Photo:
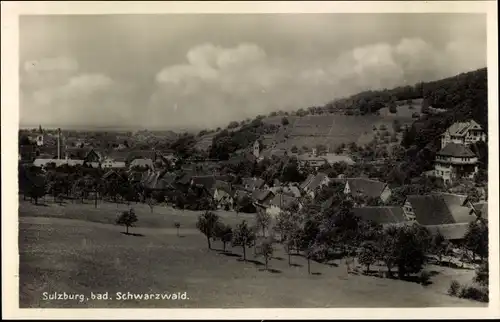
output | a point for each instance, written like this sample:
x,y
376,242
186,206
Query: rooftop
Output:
x,y
456,150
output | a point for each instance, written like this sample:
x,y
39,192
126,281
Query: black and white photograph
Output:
x,y
253,160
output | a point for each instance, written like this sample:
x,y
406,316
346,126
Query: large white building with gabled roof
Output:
x,y
463,133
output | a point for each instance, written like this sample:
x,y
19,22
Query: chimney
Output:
x,y
59,143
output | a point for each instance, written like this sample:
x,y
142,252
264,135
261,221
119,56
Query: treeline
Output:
x,y
465,93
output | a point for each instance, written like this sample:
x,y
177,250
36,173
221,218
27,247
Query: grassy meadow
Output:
x,y
76,248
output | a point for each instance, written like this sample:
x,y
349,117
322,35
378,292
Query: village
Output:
x,y
158,171
305,183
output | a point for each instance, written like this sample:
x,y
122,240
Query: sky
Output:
x,y
204,70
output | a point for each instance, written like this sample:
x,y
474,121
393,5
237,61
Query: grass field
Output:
x,y
75,248
334,129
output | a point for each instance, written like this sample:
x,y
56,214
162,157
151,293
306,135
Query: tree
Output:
x,y
414,243
244,237
284,121
388,247
392,107
368,254
24,140
224,233
207,223
267,250
263,221
151,203
309,252
476,239
482,274
396,126
439,245
287,227
127,219
36,187
233,125
425,106
177,225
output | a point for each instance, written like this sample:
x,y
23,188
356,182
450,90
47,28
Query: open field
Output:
x,y
335,129
76,249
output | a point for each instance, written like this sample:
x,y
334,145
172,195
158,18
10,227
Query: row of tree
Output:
x,y
323,234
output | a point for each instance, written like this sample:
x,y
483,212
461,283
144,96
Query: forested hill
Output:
x,y
465,93
464,97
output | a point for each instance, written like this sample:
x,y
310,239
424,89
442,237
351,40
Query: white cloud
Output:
x,y
223,84
55,91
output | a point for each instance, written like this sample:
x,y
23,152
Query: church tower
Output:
x,y
256,149
39,137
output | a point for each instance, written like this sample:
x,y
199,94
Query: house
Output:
x,y
313,183
208,181
109,163
279,203
251,184
118,156
438,209
291,190
463,133
112,175
262,197
138,154
332,158
88,155
455,161
223,194
368,188
157,180
311,160
273,152
454,233
43,163
385,216
142,163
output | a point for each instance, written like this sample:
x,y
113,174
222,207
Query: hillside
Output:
x,y
431,106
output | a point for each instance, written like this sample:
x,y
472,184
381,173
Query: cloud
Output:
x,y
220,84
55,91
217,84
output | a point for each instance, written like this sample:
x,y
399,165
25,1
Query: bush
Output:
x,y
425,278
454,288
415,115
233,125
474,293
284,121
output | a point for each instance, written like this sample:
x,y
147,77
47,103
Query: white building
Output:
x,y
463,133
455,161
